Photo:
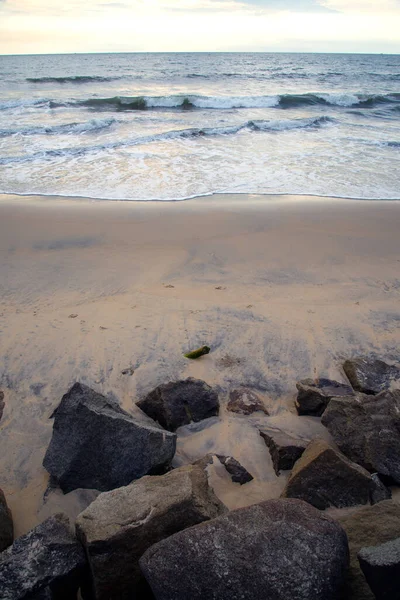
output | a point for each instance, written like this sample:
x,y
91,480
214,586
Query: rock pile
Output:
x,y
158,532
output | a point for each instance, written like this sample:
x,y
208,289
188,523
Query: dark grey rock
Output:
x,y
97,445
2,403
285,450
279,549
179,403
368,526
367,430
244,401
120,525
47,562
381,567
314,395
324,477
379,491
237,472
6,524
370,376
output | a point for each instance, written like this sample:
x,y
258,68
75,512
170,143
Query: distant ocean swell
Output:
x,y
73,79
188,102
84,79
256,126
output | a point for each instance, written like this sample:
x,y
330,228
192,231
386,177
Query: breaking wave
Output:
x,y
65,129
272,126
188,102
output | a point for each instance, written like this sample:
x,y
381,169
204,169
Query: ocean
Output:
x,y
174,126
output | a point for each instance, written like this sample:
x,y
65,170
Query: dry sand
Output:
x,y
281,289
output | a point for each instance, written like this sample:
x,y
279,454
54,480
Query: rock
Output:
x,y
245,402
238,473
324,477
381,567
367,430
314,395
285,450
371,376
47,559
6,524
97,445
368,526
279,549
180,402
120,525
2,404
379,491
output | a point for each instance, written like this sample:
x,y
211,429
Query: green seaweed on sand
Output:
x,y
197,353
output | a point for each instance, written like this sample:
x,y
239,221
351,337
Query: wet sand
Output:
x,y
280,288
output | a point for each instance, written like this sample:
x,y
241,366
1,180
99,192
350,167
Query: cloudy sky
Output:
x,y
42,26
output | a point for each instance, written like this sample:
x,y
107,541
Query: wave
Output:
x,y
255,126
24,103
193,101
187,102
65,129
72,79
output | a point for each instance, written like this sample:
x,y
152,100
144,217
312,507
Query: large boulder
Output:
x,y
275,550
367,430
47,562
285,449
119,526
97,445
371,376
314,395
368,526
6,524
244,401
179,403
324,477
381,567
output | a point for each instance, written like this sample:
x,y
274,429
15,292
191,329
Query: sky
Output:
x,y
42,26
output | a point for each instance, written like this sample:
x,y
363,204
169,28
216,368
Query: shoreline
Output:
x,y
5,196
280,291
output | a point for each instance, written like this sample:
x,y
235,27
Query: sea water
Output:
x,y
143,126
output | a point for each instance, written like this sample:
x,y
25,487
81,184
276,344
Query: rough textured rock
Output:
x,y
279,549
285,450
179,403
314,395
371,376
2,403
368,526
367,430
6,524
98,445
379,491
381,568
324,477
237,472
120,525
46,562
245,402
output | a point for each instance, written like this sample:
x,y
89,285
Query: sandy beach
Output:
x,y
280,288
